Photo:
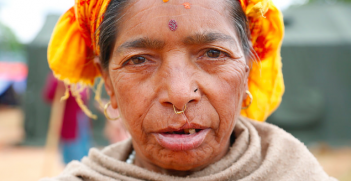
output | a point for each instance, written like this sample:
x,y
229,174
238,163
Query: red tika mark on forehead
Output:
x,y
172,25
186,5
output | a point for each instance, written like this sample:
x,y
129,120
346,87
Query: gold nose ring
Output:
x,y
179,112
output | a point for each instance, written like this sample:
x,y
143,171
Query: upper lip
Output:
x,y
185,126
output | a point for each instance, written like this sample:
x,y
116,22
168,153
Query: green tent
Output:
x,y
316,57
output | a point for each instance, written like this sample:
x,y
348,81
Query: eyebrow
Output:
x,y
204,38
142,43
196,39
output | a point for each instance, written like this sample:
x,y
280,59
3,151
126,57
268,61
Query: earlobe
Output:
x,y
109,90
246,84
247,73
108,83
246,87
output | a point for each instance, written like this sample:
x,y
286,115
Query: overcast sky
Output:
x,y
26,17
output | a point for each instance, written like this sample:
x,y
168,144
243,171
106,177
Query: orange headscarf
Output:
x,y
74,44
266,79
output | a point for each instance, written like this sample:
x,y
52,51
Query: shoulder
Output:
x,y
272,136
270,133
283,155
94,166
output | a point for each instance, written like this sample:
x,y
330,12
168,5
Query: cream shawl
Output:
x,y
261,151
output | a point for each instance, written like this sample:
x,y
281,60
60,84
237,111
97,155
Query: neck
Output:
x,y
157,169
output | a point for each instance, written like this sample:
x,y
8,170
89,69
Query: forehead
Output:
x,y
151,17
174,7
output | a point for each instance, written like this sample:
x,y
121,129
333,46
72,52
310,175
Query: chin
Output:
x,y
191,160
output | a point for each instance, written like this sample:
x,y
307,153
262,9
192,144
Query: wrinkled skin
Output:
x,y
145,89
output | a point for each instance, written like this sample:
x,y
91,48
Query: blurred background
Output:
x,y
316,106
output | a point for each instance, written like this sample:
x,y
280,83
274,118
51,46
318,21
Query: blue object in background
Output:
x,y
4,85
79,147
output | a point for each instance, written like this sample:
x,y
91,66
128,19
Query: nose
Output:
x,y
180,84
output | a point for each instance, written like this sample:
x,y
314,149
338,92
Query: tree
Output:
x,y
8,40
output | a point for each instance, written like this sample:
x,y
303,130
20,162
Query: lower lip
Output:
x,y
181,142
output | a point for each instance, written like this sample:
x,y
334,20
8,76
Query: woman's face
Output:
x,y
201,65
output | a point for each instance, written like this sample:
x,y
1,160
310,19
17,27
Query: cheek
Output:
x,y
225,90
226,85
133,99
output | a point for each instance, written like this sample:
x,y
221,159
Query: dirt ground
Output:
x,y
30,163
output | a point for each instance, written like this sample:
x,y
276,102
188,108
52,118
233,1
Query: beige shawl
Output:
x,y
261,152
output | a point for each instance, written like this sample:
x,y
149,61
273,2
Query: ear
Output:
x,y
108,83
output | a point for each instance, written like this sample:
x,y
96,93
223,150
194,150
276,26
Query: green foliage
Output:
x,y
8,40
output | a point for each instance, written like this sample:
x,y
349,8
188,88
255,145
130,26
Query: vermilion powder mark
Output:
x,y
172,25
186,5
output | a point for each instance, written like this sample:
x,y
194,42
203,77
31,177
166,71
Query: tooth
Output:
x,y
186,131
192,131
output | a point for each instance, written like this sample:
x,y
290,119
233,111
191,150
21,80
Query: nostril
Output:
x,y
191,100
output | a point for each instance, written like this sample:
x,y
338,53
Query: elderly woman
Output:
x,y
186,77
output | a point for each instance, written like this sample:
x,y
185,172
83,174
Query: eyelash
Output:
x,y
222,55
131,59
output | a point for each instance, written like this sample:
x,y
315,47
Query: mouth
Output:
x,y
182,140
185,131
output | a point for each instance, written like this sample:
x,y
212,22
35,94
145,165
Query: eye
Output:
x,y
136,60
213,53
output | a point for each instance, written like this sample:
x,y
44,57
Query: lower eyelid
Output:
x,y
222,55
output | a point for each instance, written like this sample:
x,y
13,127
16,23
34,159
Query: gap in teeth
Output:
x,y
185,131
190,131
